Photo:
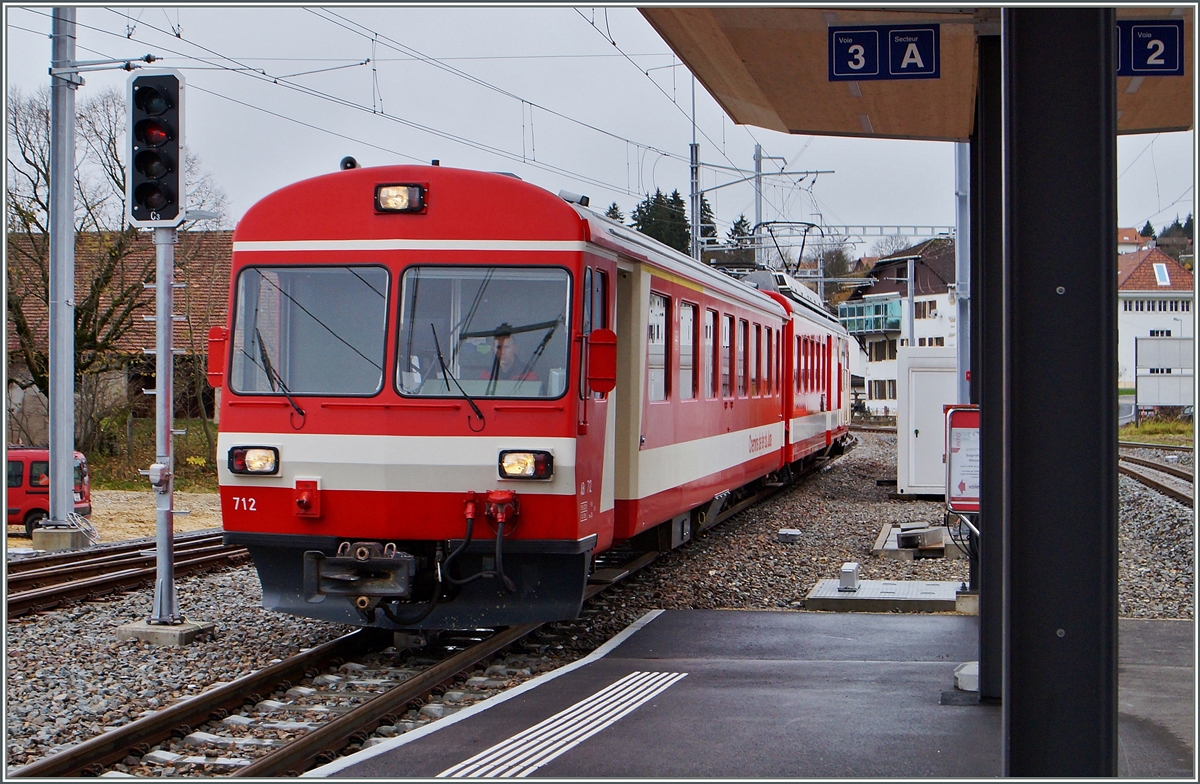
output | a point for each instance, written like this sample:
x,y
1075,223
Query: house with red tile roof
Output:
x,y
876,314
202,264
1129,241
1154,299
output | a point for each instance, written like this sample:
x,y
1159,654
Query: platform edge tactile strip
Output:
x,y
527,751
885,596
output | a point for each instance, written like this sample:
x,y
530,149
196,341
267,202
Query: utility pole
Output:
x,y
63,83
758,172
695,177
962,267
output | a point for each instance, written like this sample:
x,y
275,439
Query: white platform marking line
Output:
x,y
507,755
529,750
528,760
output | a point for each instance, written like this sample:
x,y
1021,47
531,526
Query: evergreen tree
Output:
x,y
1148,231
1174,230
739,231
663,218
1187,227
708,221
614,212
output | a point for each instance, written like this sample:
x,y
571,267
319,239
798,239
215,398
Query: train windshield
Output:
x,y
483,332
309,330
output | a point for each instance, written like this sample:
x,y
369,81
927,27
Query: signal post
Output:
x,y
156,198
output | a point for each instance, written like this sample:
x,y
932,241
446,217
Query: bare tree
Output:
x,y
112,265
886,246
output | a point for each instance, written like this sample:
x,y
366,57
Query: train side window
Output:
x,y
687,351
587,300
771,361
743,356
726,359
754,358
712,360
778,361
599,300
657,342
796,366
16,473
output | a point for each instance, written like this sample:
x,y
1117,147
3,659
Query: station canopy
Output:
x,y
770,67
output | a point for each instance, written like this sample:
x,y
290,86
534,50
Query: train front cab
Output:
x,y
366,427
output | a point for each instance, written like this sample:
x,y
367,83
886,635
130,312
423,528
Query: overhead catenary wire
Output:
x,y
244,69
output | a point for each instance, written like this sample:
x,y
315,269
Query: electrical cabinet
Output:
x,y
927,381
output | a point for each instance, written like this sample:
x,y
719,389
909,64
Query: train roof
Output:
x,y
339,207
608,233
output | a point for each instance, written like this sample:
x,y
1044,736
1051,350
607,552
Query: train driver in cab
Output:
x,y
507,364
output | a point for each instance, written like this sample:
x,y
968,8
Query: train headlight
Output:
x,y
526,464
254,460
399,198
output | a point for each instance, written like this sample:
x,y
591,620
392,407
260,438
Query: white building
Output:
x,y
1154,299
877,315
1130,241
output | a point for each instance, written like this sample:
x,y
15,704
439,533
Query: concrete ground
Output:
x,y
781,694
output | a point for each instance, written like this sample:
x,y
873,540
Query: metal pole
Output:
x,y
962,266
757,205
162,473
912,271
62,266
695,172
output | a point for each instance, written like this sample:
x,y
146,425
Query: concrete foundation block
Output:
x,y
164,634
966,676
53,539
788,535
966,602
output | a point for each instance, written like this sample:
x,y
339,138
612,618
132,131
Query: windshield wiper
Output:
x,y
272,374
446,372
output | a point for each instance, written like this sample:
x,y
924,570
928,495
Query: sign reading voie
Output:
x,y
1153,47
866,52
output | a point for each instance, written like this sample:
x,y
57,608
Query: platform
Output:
x,y
736,694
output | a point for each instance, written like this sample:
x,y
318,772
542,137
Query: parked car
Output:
x,y
29,486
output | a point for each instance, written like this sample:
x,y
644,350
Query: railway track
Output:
x,y
1171,481
310,707
45,582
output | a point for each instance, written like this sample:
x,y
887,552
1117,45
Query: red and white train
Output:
x,y
447,391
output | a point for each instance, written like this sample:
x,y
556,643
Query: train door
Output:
x,y
595,423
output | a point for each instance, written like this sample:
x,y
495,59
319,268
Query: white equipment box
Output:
x,y
927,382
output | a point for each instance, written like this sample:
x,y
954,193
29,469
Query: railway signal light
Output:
x,y
154,184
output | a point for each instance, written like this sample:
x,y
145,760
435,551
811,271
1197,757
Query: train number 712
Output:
x,y
243,504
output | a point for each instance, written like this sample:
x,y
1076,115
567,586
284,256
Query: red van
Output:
x,y
29,486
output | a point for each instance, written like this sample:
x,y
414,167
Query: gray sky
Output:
x,y
279,94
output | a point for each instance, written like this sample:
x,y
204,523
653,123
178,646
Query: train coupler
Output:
x,y
359,570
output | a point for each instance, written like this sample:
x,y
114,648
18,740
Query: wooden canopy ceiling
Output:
x,y
768,67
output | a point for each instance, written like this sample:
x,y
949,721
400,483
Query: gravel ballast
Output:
x,y
68,678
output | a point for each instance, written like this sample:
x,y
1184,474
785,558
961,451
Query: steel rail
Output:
x,y
323,744
1154,484
62,573
116,744
1166,469
1164,447
105,551
52,596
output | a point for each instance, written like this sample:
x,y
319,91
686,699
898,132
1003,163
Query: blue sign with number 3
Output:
x,y
866,52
